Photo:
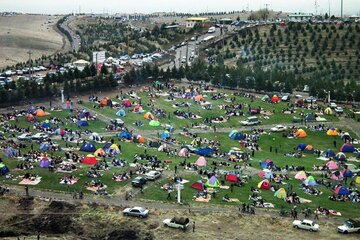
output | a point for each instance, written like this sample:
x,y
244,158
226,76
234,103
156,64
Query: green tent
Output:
x,y
212,182
154,123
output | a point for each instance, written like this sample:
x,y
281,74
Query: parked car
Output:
x,y
136,212
152,175
349,226
332,105
25,137
180,223
339,110
310,99
138,181
306,224
39,136
278,128
285,98
250,121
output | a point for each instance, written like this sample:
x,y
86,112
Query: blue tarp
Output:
x,y
301,146
205,151
328,153
82,123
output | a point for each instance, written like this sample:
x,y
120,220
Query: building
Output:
x,y
190,22
226,21
299,17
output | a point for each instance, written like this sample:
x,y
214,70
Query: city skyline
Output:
x,y
351,7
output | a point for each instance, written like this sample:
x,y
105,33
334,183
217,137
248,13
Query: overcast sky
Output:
x,y
351,7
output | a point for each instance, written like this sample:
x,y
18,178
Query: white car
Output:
x,y
332,105
339,110
180,223
25,137
39,136
152,175
278,128
136,212
306,225
250,121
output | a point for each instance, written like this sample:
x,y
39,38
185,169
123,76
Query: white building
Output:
x,y
299,17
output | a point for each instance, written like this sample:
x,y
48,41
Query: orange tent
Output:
x,y
300,133
29,117
141,139
40,113
104,102
199,98
275,99
149,116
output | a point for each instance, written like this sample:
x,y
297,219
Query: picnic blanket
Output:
x,y
201,199
94,189
303,200
184,181
331,212
233,200
27,181
323,158
224,187
223,121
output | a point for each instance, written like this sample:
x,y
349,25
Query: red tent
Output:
x,y
89,159
198,186
231,178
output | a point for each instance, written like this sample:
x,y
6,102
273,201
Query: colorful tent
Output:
x,y
138,109
301,176
84,113
212,182
149,116
82,123
332,165
340,156
60,132
231,178
275,99
301,146
45,147
125,135
140,139
46,124
183,152
3,169
235,135
332,132
29,117
267,164
199,185
266,173
154,123
11,152
89,159
199,98
328,153
113,149
201,162
264,184
280,193
347,173
126,103
100,153
206,151
357,179
309,149
40,113
45,162
300,133
328,111
121,113
265,98
310,181
347,148
88,147
341,190
165,135
106,102
337,176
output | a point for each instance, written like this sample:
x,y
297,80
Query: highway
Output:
x,y
76,41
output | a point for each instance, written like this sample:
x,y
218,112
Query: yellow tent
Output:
x,y
357,180
100,153
332,132
328,111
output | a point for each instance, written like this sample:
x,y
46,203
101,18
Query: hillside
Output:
x,y
311,51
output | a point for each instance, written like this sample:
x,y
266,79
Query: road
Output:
x,y
76,41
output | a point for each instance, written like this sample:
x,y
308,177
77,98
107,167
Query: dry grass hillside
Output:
x,y
20,33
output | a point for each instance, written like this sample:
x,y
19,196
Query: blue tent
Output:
x,y
84,113
125,135
121,113
348,173
107,146
3,169
267,164
205,151
235,135
88,147
45,147
328,153
301,146
347,148
11,152
341,190
31,110
82,123
165,135
46,125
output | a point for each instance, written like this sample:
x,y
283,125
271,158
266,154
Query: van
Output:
x,y
250,121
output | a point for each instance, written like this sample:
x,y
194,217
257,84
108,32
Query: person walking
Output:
x,y
169,195
27,190
316,217
194,226
175,169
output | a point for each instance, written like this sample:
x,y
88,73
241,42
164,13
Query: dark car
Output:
x,y
138,181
